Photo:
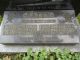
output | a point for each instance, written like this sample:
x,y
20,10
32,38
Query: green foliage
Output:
x,y
35,55
43,54
64,54
29,55
78,17
77,56
0,19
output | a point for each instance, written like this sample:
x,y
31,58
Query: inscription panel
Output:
x,y
39,27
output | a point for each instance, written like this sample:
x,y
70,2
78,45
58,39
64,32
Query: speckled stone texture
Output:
x,y
23,48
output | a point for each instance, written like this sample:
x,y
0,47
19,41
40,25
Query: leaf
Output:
x,y
36,55
57,50
66,51
59,59
27,58
29,51
44,53
52,58
41,57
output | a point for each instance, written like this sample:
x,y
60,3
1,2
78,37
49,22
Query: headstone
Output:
x,y
39,27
